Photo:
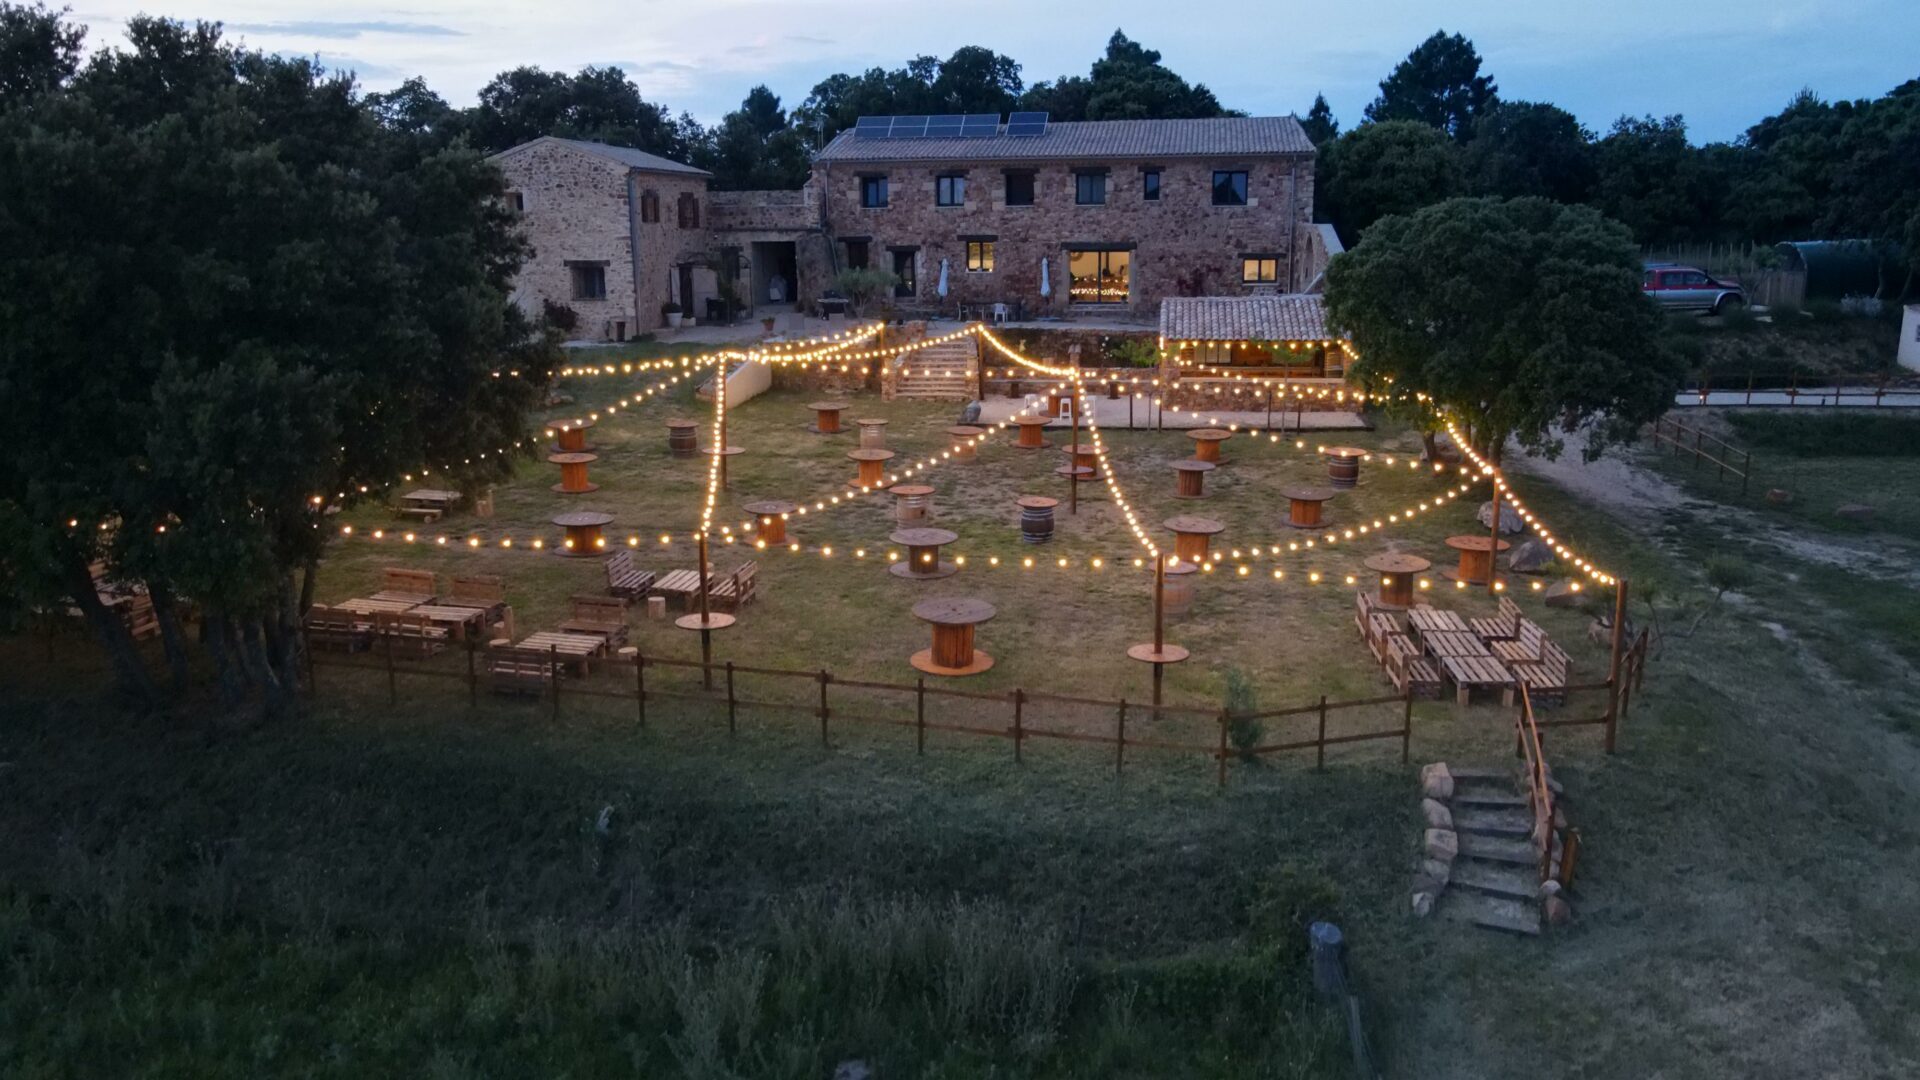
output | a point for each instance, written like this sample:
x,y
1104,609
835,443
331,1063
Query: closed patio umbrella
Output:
x,y
942,287
1046,284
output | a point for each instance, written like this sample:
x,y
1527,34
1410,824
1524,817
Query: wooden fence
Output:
x,y
1018,716
1727,458
1782,390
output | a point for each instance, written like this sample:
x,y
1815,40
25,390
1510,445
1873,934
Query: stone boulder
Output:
x,y
1530,556
1854,512
1435,781
1432,876
1441,844
1510,523
1556,910
1422,904
1564,594
1437,814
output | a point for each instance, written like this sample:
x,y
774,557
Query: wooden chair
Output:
x,y
407,586
1364,607
625,580
415,635
513,669
1546,680
1504,626
736,590
604,617
1526,646
328,628
487,593
1410,670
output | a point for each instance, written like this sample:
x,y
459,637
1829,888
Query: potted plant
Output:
x,y
670,312
767,324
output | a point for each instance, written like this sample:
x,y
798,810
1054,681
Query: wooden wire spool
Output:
x,y
1191,478
913,503
1206,443
570,436
770,519
573,473
1476,558
966,445
1036,519
953,620
826,417
1304,507
873,467
583,529
1191,534
1084,457
1396,570
923,554
1032,431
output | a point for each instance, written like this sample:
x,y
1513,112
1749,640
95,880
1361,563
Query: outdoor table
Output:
x,y
683,437
1303,507
1032,431
873,467
965,441
1396,570
571,435
368,608
430,499
1206,444
1190,535
1441,644
770,519
912,503
1085,458
571,650
923,554
573,472
953,621
459,621
1476,558
1471,673
826,417
583,533
873,433
1036,518
1343,465
1432,620
1192,477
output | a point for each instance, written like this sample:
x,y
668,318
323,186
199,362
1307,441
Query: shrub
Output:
x,y
862,286
1239,700
559,316
1133,352
1739,319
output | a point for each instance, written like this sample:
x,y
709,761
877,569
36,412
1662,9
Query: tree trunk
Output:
x,y
310,575
129,672
226,664
172,636
1431,441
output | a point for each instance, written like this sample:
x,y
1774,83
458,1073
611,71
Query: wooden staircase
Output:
x,y
943,372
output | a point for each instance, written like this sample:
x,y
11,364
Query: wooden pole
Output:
x,y
1613,660
731,729
1493,553
1222,754
393,690
473,677
1019,714
640,687
824,679
706,636
1073,455
1120,741
920,715
1406,726
1320,743
553,666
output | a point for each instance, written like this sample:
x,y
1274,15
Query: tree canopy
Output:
x,y
1319,124
1523,317
1389,167
1439,84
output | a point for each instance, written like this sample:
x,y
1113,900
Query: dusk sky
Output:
x,y
1722,65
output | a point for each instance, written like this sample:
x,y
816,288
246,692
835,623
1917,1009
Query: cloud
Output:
x,y
345,31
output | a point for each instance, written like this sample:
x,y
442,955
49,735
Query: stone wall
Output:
x,y
1181,243
761,211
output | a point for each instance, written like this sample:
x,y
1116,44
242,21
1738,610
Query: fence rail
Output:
x,y
1780,390
1022,715
1726,457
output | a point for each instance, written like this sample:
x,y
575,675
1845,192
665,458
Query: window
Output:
x,y
517,202
1150,185
1229,189
1019,189
979,256
589,280
1090,189
950,191
873,192
903,268
650,207
1099,277
689,210
1259,269
856,254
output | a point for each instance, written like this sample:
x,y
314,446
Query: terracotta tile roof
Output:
x,y
1284,317
624,155
1239,136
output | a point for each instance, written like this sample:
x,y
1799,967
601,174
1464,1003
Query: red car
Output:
x,y
1688,288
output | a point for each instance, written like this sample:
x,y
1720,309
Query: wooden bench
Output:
x,y
1409,670
412,633
1364,608
604,617
1546,680
1470,673
679,585
427,514
1381,626
1504,626
570,649
485,593
626,580
407,586
736,590
1525,647
517,669
331,628
460,623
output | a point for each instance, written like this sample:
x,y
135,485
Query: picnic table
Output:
x,y
1431,620
1470,673
459,621
923,554
1206,443
1476,558
428,504
1396,570
953,620
371,607
575,651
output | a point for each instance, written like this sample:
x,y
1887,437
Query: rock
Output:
x,y
1422,904
1437,814
1854,512
1432,876
1510,522
1442,844
1566,594
1556,910
853,1070
1435,781
1779,496
971,414
1530,556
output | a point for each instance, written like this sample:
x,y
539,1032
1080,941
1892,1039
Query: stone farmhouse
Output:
x,y
1101,219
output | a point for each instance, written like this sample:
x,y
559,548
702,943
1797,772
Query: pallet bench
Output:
x,y
624,579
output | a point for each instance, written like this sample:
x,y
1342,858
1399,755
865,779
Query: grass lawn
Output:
x,y
438,889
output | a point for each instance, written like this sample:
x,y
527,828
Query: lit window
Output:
x,y
1230,189
1150,185
1259,269
1090,189
950,191
589,281
1099,277
980,256
873,192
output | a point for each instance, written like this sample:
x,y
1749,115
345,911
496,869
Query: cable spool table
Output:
x,y
913,503
1032,431
1084,458
683,437
1343,465
1304,510
770,519
1476,558
570,436
953,620
1055,399
923,554
1190,535
583,533
826,417
1036,518
873,433
1396,570
1192,478
1206,444
573,473
966,444
873,467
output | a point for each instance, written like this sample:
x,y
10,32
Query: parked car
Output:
x,y
1688,288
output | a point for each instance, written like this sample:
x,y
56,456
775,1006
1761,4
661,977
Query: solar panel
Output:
x,y
944,127
980,125
872,127
908,127
1027,123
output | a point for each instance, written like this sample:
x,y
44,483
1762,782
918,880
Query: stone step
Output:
x,y
1488,800
1517,824
1497,849
1495,879
1481,773
1493,912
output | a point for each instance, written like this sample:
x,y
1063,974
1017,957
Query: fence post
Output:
x,y
1221,755
1320,741
553,666
1019,711
640,687
473,677
824,679
731,729
1120,743
1406,726
1698,435
393,691
920,715
1613,659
